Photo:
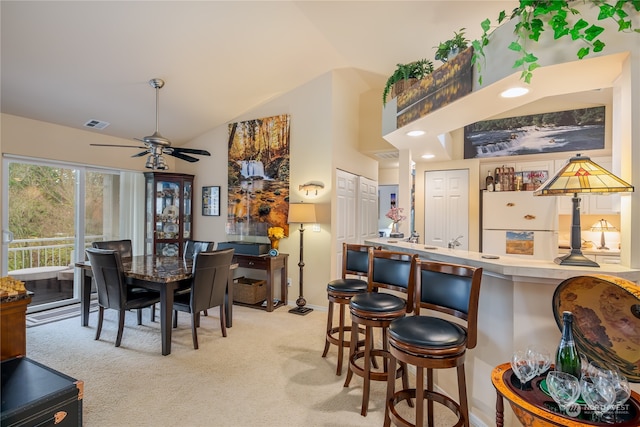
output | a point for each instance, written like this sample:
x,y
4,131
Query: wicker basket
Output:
x,y
249,291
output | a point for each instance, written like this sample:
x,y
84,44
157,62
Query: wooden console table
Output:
x,y
270,265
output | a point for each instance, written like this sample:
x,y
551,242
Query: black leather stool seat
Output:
x,y
347,285
428,332
375,302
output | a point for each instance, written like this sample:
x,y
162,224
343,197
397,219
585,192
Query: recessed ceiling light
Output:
x,y
428,156
514,92
415,133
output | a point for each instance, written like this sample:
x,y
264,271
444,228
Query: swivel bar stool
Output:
x,y
355,262
390,271
427,342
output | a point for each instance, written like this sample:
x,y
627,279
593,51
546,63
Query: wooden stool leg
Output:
x,y
430,402
391,386
368,348
352,352
329,326
340,340
462,392
420,398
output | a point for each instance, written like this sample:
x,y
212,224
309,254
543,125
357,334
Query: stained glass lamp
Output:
x,y
602,226
580,175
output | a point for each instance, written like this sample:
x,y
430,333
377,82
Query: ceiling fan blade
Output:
x,y
116,145
142,153
181,156
191,151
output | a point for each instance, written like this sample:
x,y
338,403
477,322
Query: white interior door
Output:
x,y
446,207
368,207
346,215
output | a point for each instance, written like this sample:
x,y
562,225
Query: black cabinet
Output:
x,y
36,395
168,213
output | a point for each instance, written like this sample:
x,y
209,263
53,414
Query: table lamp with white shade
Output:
x,y
602,226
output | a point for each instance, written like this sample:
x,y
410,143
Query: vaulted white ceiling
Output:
x,y
67,62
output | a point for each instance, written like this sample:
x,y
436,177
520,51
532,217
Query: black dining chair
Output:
x,y
113,291
192,247
208,288
124,247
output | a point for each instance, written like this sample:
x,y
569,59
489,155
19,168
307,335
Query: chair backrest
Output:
x,y
123,246
394,271
355,259
192,247
451,289
108,274
210,275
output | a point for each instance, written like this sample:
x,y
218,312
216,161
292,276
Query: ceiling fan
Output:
x,y
156,145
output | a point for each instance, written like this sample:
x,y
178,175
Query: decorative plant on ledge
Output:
x,y
534,16
413,70
452,46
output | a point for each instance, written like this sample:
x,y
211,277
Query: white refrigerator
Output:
x,y
519,224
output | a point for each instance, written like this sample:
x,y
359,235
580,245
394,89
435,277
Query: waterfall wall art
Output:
x,y
572,130
258,196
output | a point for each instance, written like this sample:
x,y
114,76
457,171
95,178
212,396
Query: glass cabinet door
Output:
x,y
168,197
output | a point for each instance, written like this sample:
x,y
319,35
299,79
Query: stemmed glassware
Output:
x,y
598,392
525,367
622,393
564,388
541,357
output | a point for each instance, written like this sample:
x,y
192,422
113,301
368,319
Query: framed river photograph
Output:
x,y
211,201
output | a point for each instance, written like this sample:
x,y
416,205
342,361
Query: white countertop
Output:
x,y
505,265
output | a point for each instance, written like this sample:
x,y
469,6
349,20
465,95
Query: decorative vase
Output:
x,y
274,242
395,227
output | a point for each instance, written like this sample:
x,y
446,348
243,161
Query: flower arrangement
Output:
x,y
395,214
276,232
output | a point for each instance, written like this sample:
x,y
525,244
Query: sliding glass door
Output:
x,y
52,212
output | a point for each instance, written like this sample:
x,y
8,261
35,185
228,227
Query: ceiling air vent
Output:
x,y
96,124
388,155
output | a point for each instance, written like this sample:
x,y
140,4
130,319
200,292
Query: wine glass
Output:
x,y
564,388
541,356
598,393
524,367
622,393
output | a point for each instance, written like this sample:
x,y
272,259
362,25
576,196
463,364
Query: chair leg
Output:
x,y
352,352
205,312
340,339
153,313
420,397
120,327
100,317
194,332
391,386
462,393
329,326
139,316
223,320
175,318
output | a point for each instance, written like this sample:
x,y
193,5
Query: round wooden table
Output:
x,y
534,408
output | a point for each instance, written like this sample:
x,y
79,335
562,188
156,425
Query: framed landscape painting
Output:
x,y
572,130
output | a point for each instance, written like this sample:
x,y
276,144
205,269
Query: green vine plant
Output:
x,y
413,70
536,16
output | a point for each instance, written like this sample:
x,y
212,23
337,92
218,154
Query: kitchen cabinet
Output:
x,y
168,212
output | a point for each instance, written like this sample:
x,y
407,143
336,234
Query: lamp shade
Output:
x,y
581,175
603,225
302,213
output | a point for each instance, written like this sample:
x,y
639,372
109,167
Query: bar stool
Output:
x,y
355,262
429,343
393,271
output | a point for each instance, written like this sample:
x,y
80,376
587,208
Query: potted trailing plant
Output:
x,y
404,73
451,47
536,16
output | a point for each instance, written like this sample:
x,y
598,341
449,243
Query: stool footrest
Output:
x,y
408,394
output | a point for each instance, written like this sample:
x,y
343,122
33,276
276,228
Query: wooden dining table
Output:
x,y
159,273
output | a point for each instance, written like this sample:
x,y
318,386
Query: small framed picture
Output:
x,y
211,201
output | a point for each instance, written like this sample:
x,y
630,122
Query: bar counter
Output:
x,y
516,310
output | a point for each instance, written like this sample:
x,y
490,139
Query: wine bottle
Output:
x,y
567,356
489,181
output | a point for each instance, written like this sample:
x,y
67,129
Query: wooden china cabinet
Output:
x,y
168,213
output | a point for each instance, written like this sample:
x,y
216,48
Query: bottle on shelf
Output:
x,y
489,182
567,356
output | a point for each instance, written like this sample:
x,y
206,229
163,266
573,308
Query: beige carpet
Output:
x,y
267,372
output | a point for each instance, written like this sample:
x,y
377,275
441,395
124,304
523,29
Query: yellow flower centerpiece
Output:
x,y
275,234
